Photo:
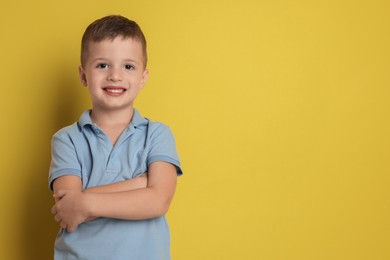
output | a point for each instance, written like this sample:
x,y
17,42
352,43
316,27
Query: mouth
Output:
x,y
114,90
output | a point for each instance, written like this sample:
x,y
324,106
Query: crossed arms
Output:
x,y
134,199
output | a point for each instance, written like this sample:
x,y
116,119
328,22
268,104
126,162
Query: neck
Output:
x,y
112,118
112,122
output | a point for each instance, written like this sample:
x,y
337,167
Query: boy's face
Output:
x,y
114,73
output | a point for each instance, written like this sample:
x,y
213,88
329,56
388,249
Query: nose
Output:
x,y
114,74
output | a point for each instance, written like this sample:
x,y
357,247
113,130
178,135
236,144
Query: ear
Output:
x,y
83,76
145,76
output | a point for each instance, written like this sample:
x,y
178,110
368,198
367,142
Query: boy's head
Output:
x,y
109,28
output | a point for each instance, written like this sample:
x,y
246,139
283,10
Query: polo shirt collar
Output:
x,y
137,120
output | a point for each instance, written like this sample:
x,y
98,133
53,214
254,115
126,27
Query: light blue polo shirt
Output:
x,y
84,150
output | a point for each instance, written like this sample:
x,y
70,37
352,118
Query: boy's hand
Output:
x,y
70,209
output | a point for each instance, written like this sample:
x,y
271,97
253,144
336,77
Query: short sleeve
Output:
x,y
163,146
64,159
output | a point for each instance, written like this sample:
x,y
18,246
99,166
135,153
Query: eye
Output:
x,y
102,66
129,67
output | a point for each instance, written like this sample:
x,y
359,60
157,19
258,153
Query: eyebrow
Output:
x,y
99,59
130,60
105,59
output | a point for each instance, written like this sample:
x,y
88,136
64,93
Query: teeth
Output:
x,y
114,90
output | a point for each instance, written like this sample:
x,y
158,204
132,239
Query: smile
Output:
x,y
114,90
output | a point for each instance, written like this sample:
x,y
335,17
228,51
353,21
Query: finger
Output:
x,y
63,224
53,210
71,229
57,218
59,194
55,198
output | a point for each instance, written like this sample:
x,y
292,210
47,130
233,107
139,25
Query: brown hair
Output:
x,y
110,27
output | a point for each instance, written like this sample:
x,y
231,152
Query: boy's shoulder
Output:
x,y
73,128
157,127
139,121
77,126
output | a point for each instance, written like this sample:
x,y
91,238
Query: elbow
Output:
x,y
163,207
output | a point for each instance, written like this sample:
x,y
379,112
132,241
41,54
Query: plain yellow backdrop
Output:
x,y
280,111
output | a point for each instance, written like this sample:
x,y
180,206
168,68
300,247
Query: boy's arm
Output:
x,y
150,202
69,183
73,183
131,184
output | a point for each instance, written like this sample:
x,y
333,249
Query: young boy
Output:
x,y
113,172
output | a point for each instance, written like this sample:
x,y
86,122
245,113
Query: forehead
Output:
x,y
117,48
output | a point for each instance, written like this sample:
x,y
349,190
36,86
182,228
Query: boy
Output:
x,y
113,172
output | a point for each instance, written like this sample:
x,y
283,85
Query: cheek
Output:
x,y
94,79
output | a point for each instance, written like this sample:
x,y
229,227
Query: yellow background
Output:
x,y
280,110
